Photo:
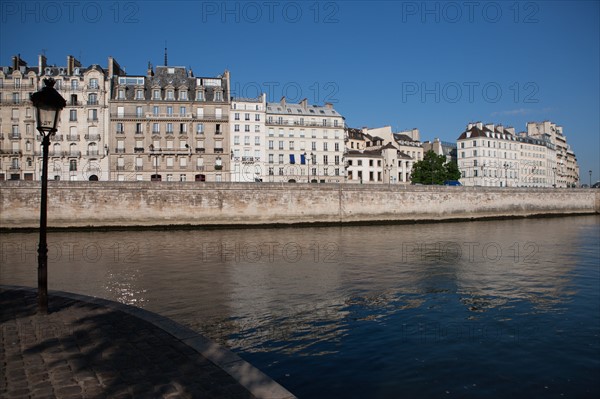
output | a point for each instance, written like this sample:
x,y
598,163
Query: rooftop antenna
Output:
x,y
165,53
44,52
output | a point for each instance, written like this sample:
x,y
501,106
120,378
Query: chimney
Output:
x,y
510,130
149,72
72,63
18,62
41,64
329,105
304,103
490,126
479,125
282,102
470,126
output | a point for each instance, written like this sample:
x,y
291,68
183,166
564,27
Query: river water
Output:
x,y
471,309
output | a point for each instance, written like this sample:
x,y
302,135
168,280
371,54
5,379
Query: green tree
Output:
x,y
452,171
433,169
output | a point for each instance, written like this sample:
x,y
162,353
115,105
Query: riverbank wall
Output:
x,y
146,204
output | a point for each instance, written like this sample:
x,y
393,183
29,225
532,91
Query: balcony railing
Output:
x,y
138,149
201,150
218,150
120,167
92,137
139,168
15,136
120,150
200,168
212,117
92,119
72,137
218,167
92,102
14,167
93,152
11,152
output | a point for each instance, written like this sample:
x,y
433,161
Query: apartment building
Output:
x,y
78,151
488,156
247,137
372,158
169,125
566,169
304,143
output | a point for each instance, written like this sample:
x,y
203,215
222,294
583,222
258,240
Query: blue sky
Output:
x,y
431,65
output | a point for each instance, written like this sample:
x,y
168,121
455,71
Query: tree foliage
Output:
x,y
433,169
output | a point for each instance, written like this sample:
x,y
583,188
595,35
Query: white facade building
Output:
x,y
247,139
488,156
304,143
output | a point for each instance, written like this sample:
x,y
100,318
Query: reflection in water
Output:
x,y
349,295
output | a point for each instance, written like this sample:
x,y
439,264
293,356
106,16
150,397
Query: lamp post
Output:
x,y
308,166
506,165
590,178
48,103
554,172
388,168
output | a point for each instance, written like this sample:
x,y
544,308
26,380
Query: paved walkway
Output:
x,y
89,348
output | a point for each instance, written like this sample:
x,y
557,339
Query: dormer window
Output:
x,y
183,95
139,94
170,95
121,94
199,95
218,96
156,94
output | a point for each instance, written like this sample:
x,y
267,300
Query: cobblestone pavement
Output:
x,y
84,350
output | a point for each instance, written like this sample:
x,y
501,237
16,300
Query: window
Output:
x,y
280,159
93,83
256,140
314,146
93,99
246,117
200,128
120,127
237,116
169,127
73,115
270,144
257,117
139,94
236,140
183,162
139,112
246,128
156,128
74,84
169,110
170,95
155,110
281,145
337,146
291,144
236,128
199,95
182,111
325,146
256,128
270,158
92,115
246,140
156,94
183,95
218,96
121,94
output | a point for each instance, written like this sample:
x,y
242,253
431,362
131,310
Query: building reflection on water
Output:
x,y
289,290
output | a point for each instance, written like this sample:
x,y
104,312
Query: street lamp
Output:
x,y
388,168
308,165
590,178
506,165
48,103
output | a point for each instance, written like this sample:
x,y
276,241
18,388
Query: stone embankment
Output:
x,y
144,204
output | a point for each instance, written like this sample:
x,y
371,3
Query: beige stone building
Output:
x,y
169,125
304,142
565,169
78,151
381,156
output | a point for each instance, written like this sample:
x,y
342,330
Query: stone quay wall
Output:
x,y
144,204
